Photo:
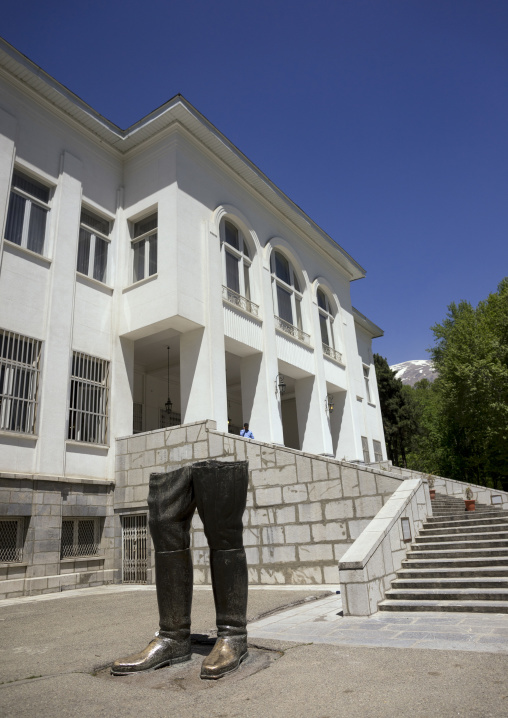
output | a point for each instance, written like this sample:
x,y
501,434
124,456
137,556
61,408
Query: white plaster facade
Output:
x,y
224,358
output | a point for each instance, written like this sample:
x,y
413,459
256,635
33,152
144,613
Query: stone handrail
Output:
x,y
369,565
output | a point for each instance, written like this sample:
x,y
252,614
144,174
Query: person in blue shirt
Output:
x,y
246,432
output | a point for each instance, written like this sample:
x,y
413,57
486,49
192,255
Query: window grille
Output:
x,y
80,537
365,448
134,548
11,540
171,418
27,213
137,418
378,452
20,358
88,406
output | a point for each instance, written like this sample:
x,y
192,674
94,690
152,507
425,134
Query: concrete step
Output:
x,y
436,605
451,543
447,562
464,553
477,572
442,582
448,594
467,517
494,527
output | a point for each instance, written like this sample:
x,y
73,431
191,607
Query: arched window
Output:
x,y
326,325
236,261
287,295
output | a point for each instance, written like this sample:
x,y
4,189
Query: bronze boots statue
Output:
x,y
219,491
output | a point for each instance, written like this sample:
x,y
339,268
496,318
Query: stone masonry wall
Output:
x,y
303,511
43,503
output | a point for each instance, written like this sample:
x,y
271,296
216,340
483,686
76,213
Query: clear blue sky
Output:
x,y
385,120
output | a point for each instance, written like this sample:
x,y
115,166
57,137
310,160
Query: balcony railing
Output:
x,y
290,329
242,302
332,353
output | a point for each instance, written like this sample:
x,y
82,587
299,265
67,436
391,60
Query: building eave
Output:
x,y
366,324
175,110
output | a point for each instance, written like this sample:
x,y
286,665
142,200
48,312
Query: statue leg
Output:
x,y
221,493
171,505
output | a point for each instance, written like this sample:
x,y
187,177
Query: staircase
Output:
x,y
458,562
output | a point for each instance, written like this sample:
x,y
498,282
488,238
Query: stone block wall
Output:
x,y
43,503
303,511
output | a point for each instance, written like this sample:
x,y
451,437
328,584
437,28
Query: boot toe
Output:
x,y
159,652
226,656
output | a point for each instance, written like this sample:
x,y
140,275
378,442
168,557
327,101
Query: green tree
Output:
x,y
471,357
398,412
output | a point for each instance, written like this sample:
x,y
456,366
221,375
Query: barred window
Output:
x,y
89,399
144,248
365,448
27,213
93,246
20,358
378,452
11,539
80,537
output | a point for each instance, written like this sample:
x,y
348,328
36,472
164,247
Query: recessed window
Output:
x,y
80,537
378,451
27,213
12,536
89,398
144,248
236,266
287,296
365,449
366,379
93,246
20,358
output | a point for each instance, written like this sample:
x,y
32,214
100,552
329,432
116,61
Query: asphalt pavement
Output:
x,y
305,659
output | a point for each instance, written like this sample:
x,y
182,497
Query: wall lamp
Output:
x,y
280,385
329,404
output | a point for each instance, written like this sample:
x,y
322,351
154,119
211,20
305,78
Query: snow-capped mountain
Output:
x,y
409,372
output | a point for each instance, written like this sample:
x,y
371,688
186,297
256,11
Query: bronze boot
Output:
x,y
173,578
229,580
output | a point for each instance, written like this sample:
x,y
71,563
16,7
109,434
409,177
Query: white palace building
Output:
x,y
152,277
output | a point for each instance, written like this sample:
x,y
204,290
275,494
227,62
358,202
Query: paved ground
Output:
x,y
306,661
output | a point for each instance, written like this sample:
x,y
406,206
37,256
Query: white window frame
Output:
x,y
20,362
366,379
365,450
296,296
30,201
12,554
144,238
95,236
378,450
242,255
88,400
77,550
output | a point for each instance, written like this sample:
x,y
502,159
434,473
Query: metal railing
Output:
x,y
290,329
332,353
234,298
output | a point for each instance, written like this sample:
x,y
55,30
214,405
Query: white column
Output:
x,y
311,417
59,319
202,355
269,416
256,398
8,127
